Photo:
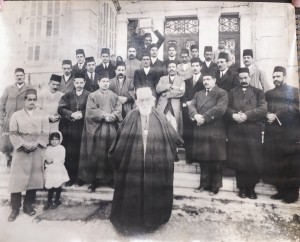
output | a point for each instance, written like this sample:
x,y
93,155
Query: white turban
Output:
x,y
143,92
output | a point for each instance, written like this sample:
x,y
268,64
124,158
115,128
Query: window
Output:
x,y
37,53
30,53
182,26
49,28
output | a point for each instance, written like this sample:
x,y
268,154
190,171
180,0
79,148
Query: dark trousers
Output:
x,y
246,180
15,199
57,194
211,174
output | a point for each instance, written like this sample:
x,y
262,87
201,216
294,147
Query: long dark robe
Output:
x,y
72,129
143,186
98,136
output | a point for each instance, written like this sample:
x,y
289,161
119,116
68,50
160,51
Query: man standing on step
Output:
x,y
29,133
247,108
282,138
66,84
79,67
209,147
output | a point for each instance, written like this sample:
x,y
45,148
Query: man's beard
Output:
x,y
146,110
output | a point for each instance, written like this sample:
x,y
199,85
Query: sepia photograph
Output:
x,y
137,120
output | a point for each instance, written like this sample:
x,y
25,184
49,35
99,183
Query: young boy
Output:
x,y
103,113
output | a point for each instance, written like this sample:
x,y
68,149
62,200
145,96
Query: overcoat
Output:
x,y
27,169
210,138
66,86
143,193
212,68
125,90
11,101
176,92
91,85
98,135
245,139
76,70
281,145
110,70
228,81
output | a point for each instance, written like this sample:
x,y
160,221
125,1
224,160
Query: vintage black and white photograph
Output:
x,y
149,121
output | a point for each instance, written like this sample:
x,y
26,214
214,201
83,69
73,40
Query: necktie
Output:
x,y
221,75
207,91
92,76
194,80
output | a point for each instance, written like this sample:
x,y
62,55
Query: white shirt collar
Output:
x,y
146,70
224,71
207,63
172,58
153,60
197,76
66,77
20,85
78,93
172,77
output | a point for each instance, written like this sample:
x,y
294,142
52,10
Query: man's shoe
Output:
x,y
47,206
79,183
201,189
242,193
251,194
69,183
92,187
214,192
29,210
277,196
55,204
13,215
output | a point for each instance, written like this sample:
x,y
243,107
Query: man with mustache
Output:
x,y
79,67
132,63
72,108
258,77
226,79
156,63
142,155
11,101
49,99
106,66
208,64
247,108
123,87
66,84
282,138
170,89
184,69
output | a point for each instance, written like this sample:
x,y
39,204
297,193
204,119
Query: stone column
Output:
x,y
121,37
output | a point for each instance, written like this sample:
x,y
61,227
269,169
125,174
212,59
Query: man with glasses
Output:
x,y
66,84
29,132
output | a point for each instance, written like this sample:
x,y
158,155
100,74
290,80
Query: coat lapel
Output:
x,y
208,97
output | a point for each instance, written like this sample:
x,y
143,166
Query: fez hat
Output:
x,y
243,70
153,45
80,51
194,47
172,62
19,70
67,62
105,51
248,52
30,91
79,75
120,63
143,92
207,49
89,59
196,59
147,35
280,69
172,45
223,55
209,73
145,53
56,78
184,51
103,75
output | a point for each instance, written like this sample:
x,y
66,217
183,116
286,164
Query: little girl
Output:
x,y
55,171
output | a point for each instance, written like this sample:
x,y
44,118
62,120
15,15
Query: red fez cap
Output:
x,y
194,47
193,60
105,51
209,73
80,51
89,59
223,55
184,51
208,49
67,62
56,78
248,52
172,45
279,69
30,91
243,70
79,75
19,70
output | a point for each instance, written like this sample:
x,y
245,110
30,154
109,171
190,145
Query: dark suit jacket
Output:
x,y
91,85
142,80
213,67
76,70
191,90
111,70
158,67
228,81
66,86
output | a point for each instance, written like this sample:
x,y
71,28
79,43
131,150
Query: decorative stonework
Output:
x,y
182,26
229,24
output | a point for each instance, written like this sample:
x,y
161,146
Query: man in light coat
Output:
x,y
170,89
29,132
184,69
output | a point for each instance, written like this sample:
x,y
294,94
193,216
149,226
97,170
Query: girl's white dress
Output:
x,y
55,173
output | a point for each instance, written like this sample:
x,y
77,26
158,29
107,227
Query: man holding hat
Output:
x,y
66,84
72,108
209,147
142,155
184,69
170,89
282,138
123,87
146,76
29,133
49,99
172,55
106,66
208,64
192,85
91,76
226,79
132,63
258,77
247,108
11,101
79,67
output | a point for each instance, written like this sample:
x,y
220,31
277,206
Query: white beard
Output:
x,y
145,110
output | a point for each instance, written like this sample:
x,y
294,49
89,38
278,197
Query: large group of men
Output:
x,y
118,124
